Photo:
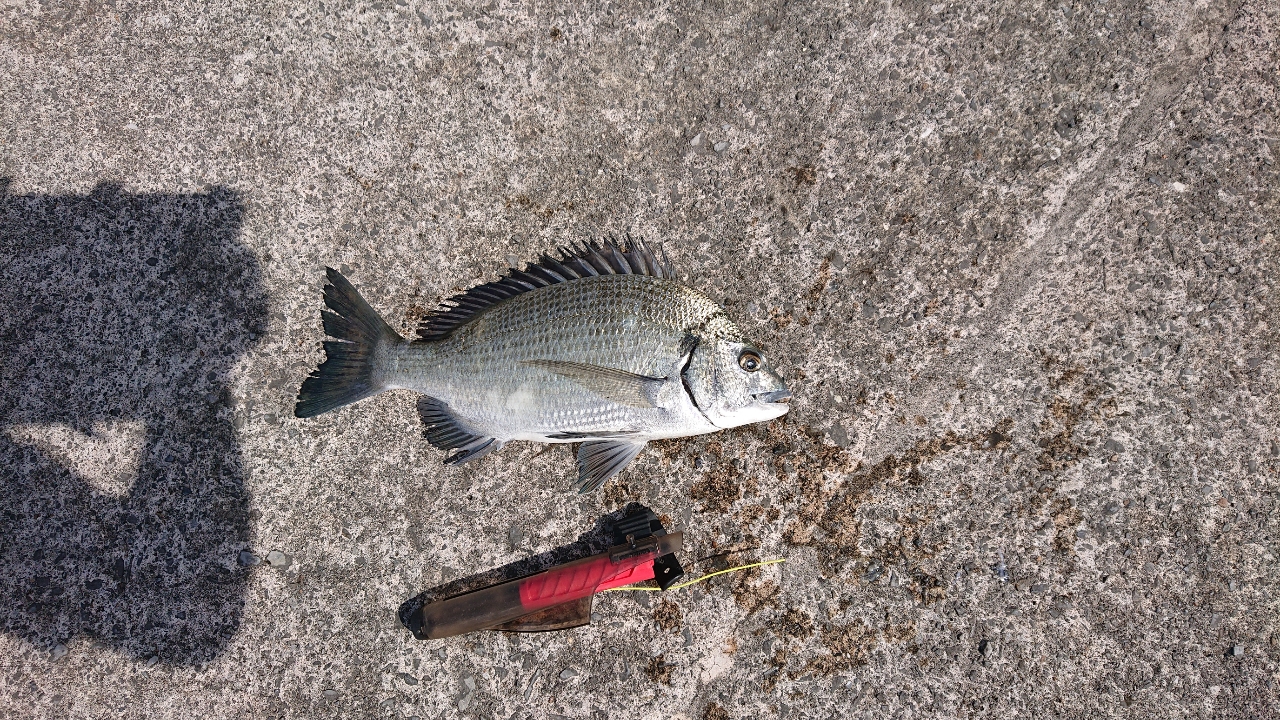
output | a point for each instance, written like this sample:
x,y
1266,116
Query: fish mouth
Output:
x,y
780,397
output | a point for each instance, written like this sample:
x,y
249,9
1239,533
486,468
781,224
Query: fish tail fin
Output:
x,y
352,367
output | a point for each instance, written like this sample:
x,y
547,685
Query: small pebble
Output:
x,y
469,682
330,694
568,673
277,559
528,690
248,559
408,679
59,652
1235,651
721,146
838,435
697,140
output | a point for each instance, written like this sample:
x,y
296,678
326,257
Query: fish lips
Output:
x,y
774,397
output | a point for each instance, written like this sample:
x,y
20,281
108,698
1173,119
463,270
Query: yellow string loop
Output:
x,y
704,577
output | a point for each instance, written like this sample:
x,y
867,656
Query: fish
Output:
x,y
602,346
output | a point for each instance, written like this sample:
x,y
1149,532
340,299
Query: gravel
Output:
x,y
1033,261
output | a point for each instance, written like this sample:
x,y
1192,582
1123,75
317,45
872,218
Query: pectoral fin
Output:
x,y
599,460
620,386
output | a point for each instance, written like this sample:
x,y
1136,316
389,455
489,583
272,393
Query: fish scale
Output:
x,y
631,322
602,346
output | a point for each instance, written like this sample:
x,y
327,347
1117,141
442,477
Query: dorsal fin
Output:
x,y
574,263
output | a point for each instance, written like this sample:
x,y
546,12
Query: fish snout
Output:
x,y
775,396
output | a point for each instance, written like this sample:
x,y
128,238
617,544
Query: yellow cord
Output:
x,y
704,577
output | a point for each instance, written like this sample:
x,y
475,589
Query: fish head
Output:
x,y
733,384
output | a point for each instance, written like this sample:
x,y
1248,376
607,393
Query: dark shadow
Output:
x,y
596,540
123,315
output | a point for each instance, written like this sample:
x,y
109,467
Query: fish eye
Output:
x,y
749,361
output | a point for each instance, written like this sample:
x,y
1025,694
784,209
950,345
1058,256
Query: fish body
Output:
x,y
502,372
602,346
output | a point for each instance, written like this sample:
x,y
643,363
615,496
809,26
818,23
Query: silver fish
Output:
x,y
602,346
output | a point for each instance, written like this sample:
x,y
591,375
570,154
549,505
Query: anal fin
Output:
x,y
445,431
599,460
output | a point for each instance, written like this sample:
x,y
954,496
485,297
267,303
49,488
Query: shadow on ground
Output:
x,y
121,486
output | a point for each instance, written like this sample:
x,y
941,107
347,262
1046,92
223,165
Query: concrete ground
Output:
x,y
1017,260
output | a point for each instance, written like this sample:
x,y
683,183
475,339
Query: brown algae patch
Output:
x,y
668,615
834,510
658,670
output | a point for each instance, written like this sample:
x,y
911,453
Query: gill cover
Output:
x,y
728,394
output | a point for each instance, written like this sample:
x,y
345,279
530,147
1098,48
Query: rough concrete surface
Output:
x,y
1017,260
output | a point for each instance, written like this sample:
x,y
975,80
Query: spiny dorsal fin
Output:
x,y
591,259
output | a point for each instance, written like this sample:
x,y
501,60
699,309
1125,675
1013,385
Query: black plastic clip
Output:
x,y
634,528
